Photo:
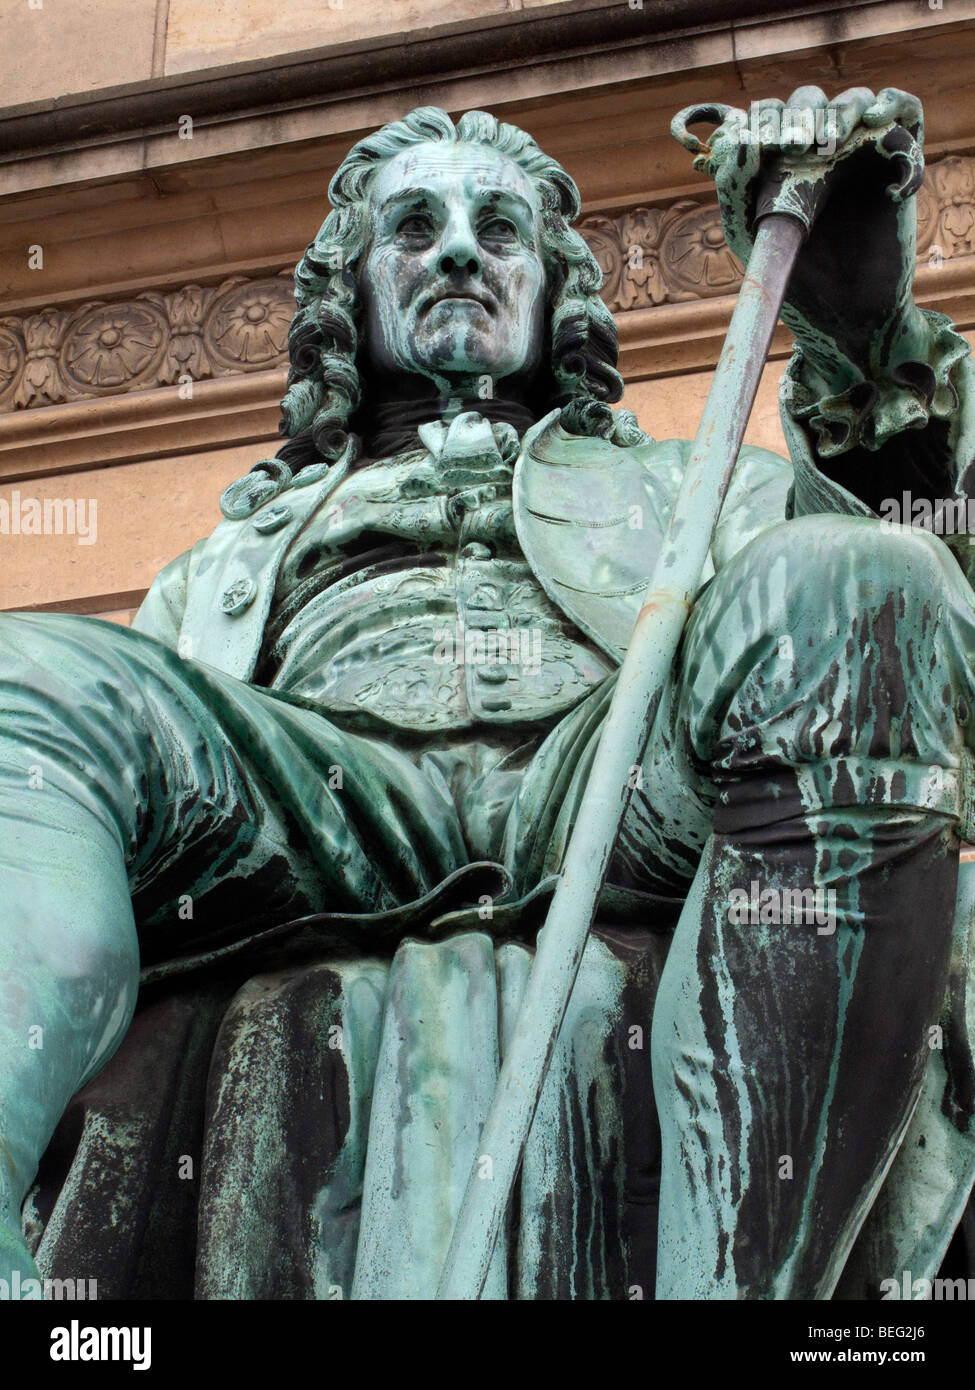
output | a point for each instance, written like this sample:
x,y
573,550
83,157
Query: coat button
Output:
x,y
496,702
492,675
239,596
273,518
474,550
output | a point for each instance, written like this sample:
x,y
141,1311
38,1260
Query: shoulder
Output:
x,y
625,481
627,458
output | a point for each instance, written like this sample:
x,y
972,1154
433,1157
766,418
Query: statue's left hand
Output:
x,y
852,279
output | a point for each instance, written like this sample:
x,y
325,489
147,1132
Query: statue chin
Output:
x,y
471,379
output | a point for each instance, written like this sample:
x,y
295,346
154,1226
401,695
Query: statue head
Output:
x,y
453,282
447,260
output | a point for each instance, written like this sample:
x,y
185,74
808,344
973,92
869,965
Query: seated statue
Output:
x,y
390,663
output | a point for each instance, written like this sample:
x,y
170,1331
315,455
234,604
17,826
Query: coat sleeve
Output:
x,y
161,612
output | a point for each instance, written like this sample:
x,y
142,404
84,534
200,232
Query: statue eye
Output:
x,y
416,225
497,229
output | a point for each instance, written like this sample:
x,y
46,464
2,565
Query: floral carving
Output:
x,y
156,339
927,213
12,355
185,351
247,326
627,249
653,255
40,381
113,345
946,209
697,260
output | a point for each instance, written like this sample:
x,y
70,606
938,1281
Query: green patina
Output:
x,y
298,726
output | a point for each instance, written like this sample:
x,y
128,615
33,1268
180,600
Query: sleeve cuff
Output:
x,y
868,413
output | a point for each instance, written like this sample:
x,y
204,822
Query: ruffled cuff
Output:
x,y
867,413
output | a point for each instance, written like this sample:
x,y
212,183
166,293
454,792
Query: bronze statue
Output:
x,y
390,662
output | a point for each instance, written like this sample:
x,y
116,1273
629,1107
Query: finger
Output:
x,y
901,146
723,143
731,127
765,116
716,115
848,107
808,96
801,117
730,176
894,105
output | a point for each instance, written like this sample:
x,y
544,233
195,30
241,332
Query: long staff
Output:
x,y
666,605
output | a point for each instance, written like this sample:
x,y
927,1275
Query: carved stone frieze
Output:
x,y
111,345
654,255
154,339
248,325
12,356
649,256
946,209
185,353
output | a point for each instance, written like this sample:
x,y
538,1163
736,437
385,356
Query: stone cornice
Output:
x,y
511,39
101,432
521,55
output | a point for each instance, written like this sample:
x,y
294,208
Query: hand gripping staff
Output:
x,y
785,210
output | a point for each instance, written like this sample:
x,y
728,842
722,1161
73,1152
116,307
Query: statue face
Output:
x,y
453,283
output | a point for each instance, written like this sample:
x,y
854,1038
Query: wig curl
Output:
x,y
325,388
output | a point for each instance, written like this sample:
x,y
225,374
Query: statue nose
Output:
x,y
449,263
459,251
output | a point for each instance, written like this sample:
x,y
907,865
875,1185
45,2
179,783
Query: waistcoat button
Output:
x,y
492,675
239,596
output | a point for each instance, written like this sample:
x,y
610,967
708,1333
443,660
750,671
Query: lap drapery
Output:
x,y
231,803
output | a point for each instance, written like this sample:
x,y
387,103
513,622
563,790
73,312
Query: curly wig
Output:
x,y
325,388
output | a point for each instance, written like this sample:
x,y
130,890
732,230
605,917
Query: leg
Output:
x,y
68,983
130,776
824,682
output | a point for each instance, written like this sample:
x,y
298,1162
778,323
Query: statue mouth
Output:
x,y
461,297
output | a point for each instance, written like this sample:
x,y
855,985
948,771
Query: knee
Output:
x,y
886,560
827,623
848,557
11,629
26,643
53,653
851,580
